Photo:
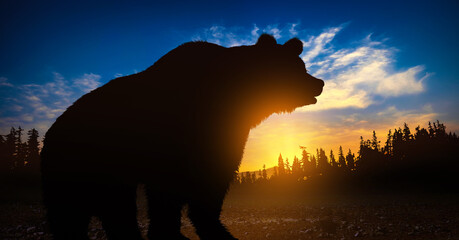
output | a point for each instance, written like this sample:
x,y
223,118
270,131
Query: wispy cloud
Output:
x,y
37,105
87,82
292,30
236,36
317,44
273,30
4,82
227,36
355,76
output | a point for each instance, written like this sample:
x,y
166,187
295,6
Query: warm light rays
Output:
x,y
284,133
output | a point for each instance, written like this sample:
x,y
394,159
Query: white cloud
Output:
x,y
227,36
4,82
37,105
273,30
16,108
254,31
59,86
402,83
356,76
32,98
237,36
27,118
217,31
317,44
397,117
293,32
88,82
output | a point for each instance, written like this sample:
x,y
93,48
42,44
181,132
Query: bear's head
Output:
x,y
276,77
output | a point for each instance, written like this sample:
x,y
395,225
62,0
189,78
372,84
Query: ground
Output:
x,y
321,216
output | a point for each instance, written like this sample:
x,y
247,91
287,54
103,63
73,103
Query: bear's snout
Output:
x,y
317,86
321,84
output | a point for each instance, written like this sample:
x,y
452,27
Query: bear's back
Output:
x,y
164,96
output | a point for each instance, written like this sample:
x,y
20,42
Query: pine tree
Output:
x,y
10,150
375,142
332,159
305,163
296,167
4,165
280,164
350,159
265,175
243,179
341,159
388,144
33,155
287,167
248,177
313,163
254,177
397,145
407,133
322,160
431,130
21,151
441,130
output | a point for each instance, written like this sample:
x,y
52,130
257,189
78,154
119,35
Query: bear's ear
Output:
x,y
266,40
294,46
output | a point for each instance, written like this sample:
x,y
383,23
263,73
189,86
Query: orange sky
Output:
x,y
327,129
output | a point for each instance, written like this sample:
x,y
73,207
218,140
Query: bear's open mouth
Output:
x,y
315,95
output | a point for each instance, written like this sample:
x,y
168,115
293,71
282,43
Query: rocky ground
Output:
x,y
324,217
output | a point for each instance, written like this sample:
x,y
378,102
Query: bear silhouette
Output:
x,y
179,127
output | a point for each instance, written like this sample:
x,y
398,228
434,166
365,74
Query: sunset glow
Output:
x,y
284,134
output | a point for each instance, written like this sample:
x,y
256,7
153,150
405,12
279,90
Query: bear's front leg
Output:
x,y
117,209
164,211
204,212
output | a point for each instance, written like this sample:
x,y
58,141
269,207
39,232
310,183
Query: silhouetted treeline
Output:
x,y
423,159
427,159
19,152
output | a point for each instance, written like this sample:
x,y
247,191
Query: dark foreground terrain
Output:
x,y
276,216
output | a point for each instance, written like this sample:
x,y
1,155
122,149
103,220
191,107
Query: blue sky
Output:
x,y
384,62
